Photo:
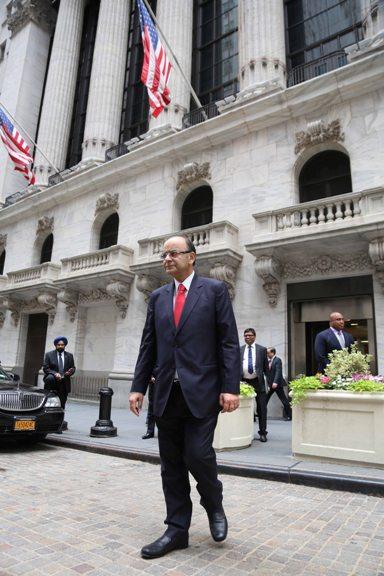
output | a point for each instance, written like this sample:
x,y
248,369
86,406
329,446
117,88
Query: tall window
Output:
x,y
325,174
2,262
135,112
91,14
46,249
215,62
317,31
109,232
197,208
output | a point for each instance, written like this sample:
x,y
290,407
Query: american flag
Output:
x,y
156,66
16,147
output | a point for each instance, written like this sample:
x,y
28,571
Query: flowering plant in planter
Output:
x,y
347,370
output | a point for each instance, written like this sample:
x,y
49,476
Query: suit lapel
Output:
x,y
169,302
192,298
335,339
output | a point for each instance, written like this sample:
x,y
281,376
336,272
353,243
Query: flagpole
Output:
x,y
194,95
29,137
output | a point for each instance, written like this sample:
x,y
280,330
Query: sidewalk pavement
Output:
x,y
272,460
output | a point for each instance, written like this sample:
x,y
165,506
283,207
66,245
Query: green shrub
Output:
x,y
247,390
366,386
300,386
345,363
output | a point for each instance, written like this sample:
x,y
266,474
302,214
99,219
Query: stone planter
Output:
x,y
235,429
340,425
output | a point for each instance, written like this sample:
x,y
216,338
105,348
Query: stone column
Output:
x,y
107,80
175,20
261,42
56,114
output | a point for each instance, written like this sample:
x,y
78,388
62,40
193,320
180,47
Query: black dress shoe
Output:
x,y
64,426
218,526
263,437
164,545
148,434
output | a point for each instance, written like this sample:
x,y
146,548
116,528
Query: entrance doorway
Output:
x,y
34,352
309,306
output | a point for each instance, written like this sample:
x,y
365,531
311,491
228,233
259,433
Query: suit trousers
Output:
x,y
58,386
261,403
185,445
150,416
284,400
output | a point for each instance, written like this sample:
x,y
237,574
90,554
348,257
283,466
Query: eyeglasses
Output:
x,y
173,253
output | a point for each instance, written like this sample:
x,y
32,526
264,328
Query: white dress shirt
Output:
x,y
246,374
186,283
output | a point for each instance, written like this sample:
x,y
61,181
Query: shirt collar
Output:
x,y
336,331
252,345
187,282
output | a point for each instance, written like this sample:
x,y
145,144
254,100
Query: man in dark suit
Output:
x,y
58,368
276,381
254,368
190,345
334,338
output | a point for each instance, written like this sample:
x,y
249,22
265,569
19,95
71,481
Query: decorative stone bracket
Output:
x,y
70,298
119,291
376,254
268,268
45,302
146,284
2,318
3,241
20,12
226,274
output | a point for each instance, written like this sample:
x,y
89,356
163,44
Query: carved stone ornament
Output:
x,y
44,224
2,318
193,172
20,12
119,291
318,132
147,284
325,264
3,241
107,201
226,274
14,307
376,254
70,299
268,269
96,295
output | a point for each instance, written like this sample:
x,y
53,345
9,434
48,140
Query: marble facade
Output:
x,y
250,155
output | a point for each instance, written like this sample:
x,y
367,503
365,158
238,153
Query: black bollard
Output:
x,y
104,426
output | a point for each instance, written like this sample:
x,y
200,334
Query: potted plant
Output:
x,y
235,429
340,415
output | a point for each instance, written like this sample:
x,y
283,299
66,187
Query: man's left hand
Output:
x,y
229,402
274,386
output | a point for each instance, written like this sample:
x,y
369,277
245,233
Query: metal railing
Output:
x,y
196,116
317,67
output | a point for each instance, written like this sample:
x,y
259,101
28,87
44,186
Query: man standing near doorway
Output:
x,y
334,338
190,345
276,381
254,369
58,368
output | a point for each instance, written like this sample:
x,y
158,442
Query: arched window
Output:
x,y
325,174
2,261
109,231
197,208
46,249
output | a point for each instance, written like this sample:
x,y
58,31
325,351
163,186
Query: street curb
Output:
x,y
289,475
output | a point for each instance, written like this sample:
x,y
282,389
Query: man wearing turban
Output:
x,y
58,368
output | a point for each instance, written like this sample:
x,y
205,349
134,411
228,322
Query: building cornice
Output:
x,y
334,88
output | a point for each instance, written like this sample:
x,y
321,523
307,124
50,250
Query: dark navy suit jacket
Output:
x,y
275,374
204,348
261,366
51,366
325,342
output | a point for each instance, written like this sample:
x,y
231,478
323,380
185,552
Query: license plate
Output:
x,y
25,425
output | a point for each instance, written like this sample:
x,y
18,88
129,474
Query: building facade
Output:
x,y
278,179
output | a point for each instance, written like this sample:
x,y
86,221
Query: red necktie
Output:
x,y
179,303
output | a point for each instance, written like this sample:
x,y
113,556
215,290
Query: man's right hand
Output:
x,y
136,402
58,376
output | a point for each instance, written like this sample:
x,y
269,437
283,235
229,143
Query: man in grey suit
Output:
x,y
254,369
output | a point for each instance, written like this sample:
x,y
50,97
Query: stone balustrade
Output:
x,y
343,210
47,272
214,236
97,261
